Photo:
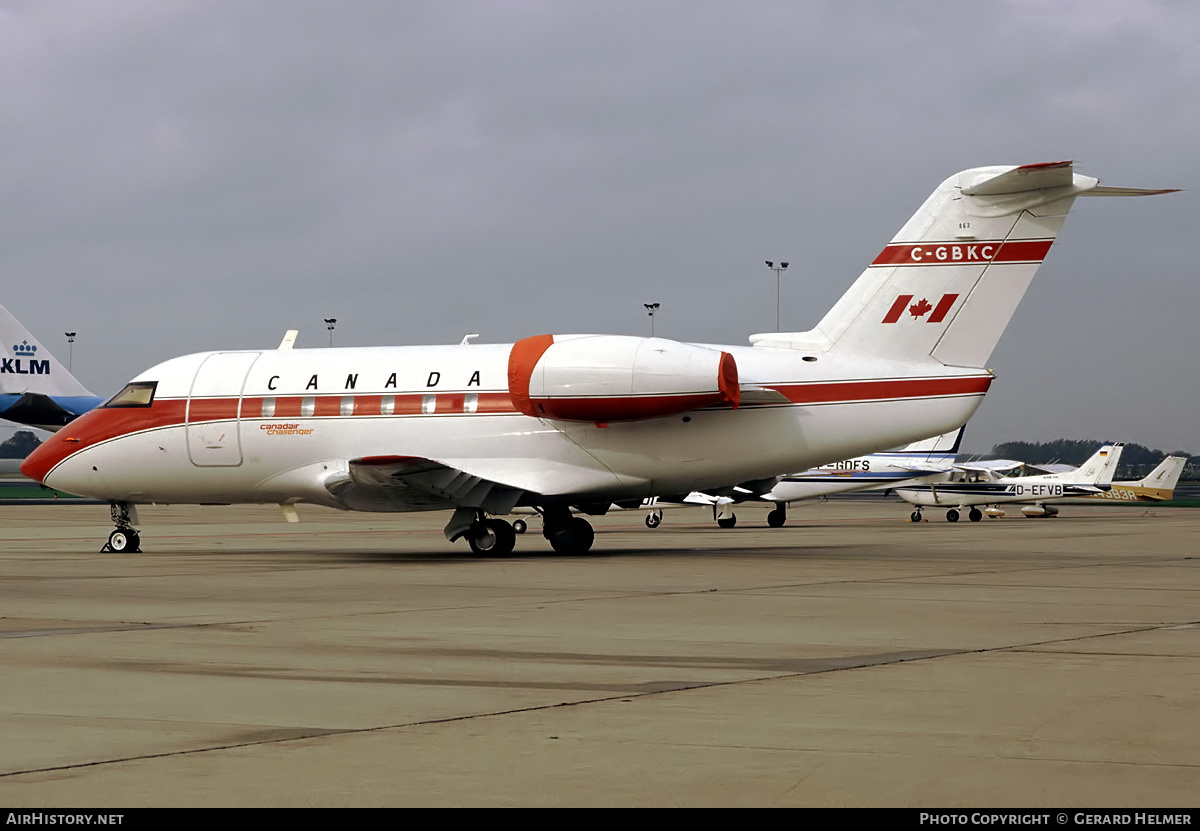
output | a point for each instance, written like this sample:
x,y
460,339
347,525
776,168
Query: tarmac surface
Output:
x,y
849,659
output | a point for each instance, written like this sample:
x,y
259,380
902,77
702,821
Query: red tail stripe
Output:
x,y
963,253
843,391
943,306
897,308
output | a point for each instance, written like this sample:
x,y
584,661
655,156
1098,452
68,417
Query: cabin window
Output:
x,y
308,405
138,394
428,404
268,407
347,405
471,402
387,405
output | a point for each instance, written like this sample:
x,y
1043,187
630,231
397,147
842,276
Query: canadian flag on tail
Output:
x,y
921,308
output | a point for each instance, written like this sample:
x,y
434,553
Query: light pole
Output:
x,y
651,308
329,324
777,270
70,350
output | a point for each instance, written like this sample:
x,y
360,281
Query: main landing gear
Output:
x,y
654,518
567,534
125,539
952,515
777,517
494,537
724,515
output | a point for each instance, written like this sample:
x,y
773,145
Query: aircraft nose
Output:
x,y
45,457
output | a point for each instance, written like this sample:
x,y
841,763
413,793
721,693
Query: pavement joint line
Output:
x,y
319,733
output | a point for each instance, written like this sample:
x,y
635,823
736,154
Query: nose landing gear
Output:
x,y
125,539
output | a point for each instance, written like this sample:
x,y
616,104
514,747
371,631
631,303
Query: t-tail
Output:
x,y
35,388
932,454
947,285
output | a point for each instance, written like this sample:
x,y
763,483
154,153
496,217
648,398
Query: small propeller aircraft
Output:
x,y
991,484
1156,486
875,471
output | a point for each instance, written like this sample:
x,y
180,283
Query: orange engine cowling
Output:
x,y
617,377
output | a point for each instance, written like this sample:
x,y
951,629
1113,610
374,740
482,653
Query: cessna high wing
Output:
x,y
574,423
35,389
874,471
975,484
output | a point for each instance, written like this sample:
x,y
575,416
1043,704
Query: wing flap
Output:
x,y
494,485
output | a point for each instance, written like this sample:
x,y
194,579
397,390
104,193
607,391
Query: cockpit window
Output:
x,y
139,394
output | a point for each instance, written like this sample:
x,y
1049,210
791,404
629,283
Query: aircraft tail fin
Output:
x,y
936,453
1101,467
1165,476
945,443
28,367
947,284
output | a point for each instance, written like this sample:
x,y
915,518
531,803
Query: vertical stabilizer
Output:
x,y
27,366
1165,476
1100,468
948,283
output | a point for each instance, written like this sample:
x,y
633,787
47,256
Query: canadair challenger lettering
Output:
x,y
570,424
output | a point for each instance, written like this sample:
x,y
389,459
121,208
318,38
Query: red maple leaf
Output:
x,y
920,308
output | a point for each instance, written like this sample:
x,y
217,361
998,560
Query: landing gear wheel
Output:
x,y
951,515
915,516
492,537
727,522
975,515
124,540
776,518
575,536
519,526
653,520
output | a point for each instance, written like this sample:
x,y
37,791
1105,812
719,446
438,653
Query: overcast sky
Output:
x,y
185,176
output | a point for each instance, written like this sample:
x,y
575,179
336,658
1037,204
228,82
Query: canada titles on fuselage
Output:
x,y
433,379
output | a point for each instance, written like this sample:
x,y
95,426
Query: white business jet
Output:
x,y
875,471
574,423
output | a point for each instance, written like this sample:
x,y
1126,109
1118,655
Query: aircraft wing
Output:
x,y
992,467
494,485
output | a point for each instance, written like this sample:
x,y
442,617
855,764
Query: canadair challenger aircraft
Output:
x,y
578,422
35,389
982,483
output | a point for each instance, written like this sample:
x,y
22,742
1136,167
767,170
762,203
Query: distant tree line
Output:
x,y
19,445
1136,460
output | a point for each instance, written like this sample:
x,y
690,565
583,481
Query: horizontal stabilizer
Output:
x,y
1024,178
1106,191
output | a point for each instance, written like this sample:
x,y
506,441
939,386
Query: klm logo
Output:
x,y
24,363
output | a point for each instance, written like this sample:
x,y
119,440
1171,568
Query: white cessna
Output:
x,y
566,423
971,485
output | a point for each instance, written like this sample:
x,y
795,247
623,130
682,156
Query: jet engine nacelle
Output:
x,y
617,377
